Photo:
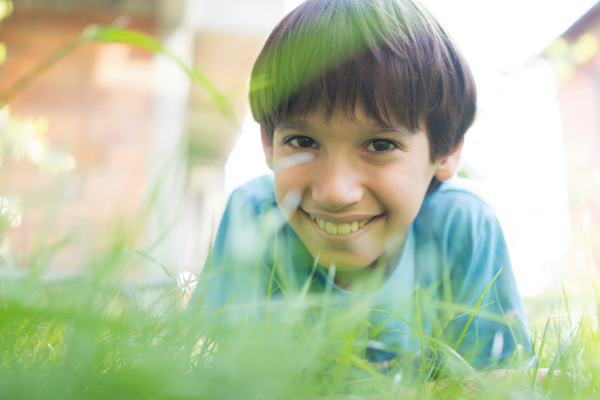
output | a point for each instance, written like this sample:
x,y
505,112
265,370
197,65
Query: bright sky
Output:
x,y
516,142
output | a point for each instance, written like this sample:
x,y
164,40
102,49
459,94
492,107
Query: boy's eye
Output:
x,y
380,145
302,141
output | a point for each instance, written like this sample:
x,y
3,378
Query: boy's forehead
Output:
x,y
358,123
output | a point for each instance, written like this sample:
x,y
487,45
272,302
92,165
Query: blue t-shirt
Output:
x,y
453,251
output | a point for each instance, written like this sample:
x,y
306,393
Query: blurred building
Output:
x,y
133,122
576,59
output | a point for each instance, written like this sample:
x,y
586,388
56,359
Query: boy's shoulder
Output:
x,y
455,201
458,191
258,194
456,221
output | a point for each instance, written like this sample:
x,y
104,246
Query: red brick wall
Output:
x,y
579,98
98,105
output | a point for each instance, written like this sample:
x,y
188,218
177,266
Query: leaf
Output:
x,y
114,34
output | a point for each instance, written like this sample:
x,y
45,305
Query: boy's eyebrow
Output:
x,y
378,128
372,129
296,125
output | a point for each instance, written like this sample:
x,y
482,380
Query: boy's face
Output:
x,y
351,188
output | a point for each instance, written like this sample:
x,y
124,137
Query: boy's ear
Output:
x,y
267,147
448,165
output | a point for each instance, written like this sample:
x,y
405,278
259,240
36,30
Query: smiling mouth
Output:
x,y
339,229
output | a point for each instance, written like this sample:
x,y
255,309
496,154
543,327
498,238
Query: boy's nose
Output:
x,y
336,186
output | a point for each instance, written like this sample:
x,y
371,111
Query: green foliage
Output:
x,y
100,336
567,56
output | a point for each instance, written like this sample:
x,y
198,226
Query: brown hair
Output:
x,y
390,56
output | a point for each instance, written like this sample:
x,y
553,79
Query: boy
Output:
x,y
363,105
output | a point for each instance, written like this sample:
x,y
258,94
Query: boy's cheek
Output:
x,y
293,181
398,193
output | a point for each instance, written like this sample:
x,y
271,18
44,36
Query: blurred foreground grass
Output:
x,y
100,336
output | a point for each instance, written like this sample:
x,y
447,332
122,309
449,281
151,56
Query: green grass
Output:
x,y
100,335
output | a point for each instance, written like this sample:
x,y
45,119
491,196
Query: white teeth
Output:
x,y
322,223
338,229
331,228
343,229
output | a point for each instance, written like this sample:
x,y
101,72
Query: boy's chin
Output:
x,y
345,263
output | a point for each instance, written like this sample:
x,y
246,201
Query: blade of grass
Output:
x,y
420,332
464,331
115,34
147,257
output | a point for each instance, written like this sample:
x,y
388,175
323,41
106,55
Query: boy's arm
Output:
x,y
470,384
233,265
483,282
213,280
